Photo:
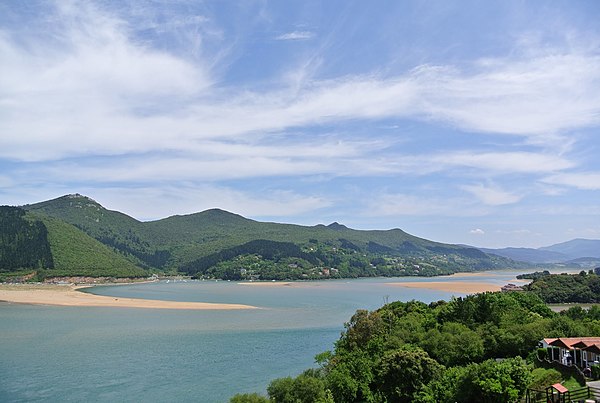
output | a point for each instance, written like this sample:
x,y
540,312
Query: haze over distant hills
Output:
x,y
85,238
573,251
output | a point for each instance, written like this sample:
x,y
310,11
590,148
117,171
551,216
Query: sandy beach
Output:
x,y
463,287
59,295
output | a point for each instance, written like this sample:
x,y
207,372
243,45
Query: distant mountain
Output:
x,y
576,248
577,251
528,255
217,243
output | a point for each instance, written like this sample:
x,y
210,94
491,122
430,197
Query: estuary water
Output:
x,y
88,354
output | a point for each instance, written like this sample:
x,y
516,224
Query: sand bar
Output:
x,y
463,287
67,295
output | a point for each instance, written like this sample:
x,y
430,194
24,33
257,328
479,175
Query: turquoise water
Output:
x,y
119,354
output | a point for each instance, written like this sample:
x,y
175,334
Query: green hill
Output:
x,y
51,247
77,254
117,230
216,242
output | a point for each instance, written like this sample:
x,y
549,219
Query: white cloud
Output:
x,y
506,162
90,91
159,117
537,96
295,35
101,92
186,200
491,195
581,180
6,181
398,204
477,231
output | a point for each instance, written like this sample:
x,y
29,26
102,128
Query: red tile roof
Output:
x,y
574,342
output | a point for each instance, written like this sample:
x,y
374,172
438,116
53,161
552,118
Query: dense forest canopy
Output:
x,y
470,349
23,243
561,288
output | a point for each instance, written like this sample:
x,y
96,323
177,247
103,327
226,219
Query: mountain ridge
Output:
x,y
214,241
564,252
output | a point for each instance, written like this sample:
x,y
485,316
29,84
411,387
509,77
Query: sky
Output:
x,y
472,122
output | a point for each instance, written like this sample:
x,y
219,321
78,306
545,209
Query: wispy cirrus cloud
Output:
x,y
579,180
492,195
295,36
191,199
506,162
101,92
118,95
406,204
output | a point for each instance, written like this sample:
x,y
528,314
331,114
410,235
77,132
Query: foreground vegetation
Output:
x,y
478,348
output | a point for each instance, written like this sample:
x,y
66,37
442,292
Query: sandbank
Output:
x,y
66,295
463,287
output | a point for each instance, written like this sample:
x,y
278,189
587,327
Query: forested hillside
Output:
x,y
77,254
563,288
37,246
23,242
117,230
441,352
219,244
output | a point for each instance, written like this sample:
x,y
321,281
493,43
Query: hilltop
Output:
x,y
221,244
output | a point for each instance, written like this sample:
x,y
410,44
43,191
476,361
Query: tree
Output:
x,y
487,382
350,375
492,381
282,389
454,344
302,389
249,398
402,373
361,329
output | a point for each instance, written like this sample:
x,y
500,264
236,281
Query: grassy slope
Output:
x,y
76,253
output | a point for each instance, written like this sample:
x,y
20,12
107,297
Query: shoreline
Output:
x,y
68,295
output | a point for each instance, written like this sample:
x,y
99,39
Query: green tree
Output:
x,y
302,389
402,373
454,344
282,389
495,382
445,388
350,375
249,398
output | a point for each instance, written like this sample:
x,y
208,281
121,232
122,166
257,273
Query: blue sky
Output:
x,y
470,122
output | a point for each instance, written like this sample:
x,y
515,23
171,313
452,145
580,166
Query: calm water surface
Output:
x,y
118,354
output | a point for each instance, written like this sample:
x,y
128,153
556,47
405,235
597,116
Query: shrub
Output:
x,y
542,353
595,371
